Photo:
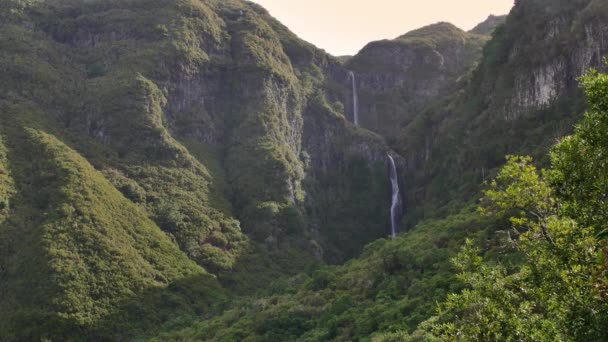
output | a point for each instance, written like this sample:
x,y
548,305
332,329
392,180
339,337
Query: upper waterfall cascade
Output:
x,y
353,80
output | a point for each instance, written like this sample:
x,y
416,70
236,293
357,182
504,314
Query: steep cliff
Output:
x,y
220,130
397,78
158,158
520,98
523,95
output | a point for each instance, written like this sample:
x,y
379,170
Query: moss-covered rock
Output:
x,y
165,140
521,97
397,78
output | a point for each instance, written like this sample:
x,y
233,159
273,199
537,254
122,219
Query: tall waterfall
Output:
x,y
395,198
353,80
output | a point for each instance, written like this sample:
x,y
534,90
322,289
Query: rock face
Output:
x,y
225,134
398,78
218,105
522,96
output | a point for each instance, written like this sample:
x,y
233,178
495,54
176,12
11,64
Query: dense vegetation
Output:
x,y
187,170
392,286
516,101
533,266
559,225
155,159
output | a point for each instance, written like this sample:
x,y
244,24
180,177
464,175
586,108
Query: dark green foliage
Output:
x,y
500,108
348,196
84,246
560,291
138,137
579,173
128,187
157,129
393,285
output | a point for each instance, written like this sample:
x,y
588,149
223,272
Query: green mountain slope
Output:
x,y
398,78
75,248
149,144
393,286
184,169
517,101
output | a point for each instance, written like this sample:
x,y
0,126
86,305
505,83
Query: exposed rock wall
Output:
x,y
398,78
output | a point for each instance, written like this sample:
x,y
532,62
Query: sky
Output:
x,y
343,27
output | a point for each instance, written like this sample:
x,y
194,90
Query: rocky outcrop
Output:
x,y
571,51
522,96
228,113
398,78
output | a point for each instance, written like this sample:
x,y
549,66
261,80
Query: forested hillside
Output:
x,y
192,170
522,97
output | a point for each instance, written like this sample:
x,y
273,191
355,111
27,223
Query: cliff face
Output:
x,y
205,114
187,140
522,96
222,129
573,43
398,78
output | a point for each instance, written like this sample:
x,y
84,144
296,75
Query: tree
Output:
x,y
580,162
559,220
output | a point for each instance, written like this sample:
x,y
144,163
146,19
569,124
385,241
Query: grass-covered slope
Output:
x,y
114,115
74,248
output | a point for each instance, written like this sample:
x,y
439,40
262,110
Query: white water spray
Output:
x,y
353,80
395,199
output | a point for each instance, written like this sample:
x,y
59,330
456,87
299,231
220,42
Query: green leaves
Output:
x,y
519,186
580,162
595,86
560,291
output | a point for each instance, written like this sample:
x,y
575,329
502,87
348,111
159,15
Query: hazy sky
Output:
x,y
343,27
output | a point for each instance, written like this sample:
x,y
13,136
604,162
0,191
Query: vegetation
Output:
x,y
130,176
463,138
560,291
186,170
84,246
392,286
541,279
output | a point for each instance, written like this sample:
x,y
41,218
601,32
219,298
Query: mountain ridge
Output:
x,y
186,155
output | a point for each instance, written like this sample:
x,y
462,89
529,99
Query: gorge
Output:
x,y
193,170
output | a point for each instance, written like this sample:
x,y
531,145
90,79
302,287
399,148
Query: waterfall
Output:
x,y
395,198
353,80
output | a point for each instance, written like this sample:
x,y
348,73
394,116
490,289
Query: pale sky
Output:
x,y
343,27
